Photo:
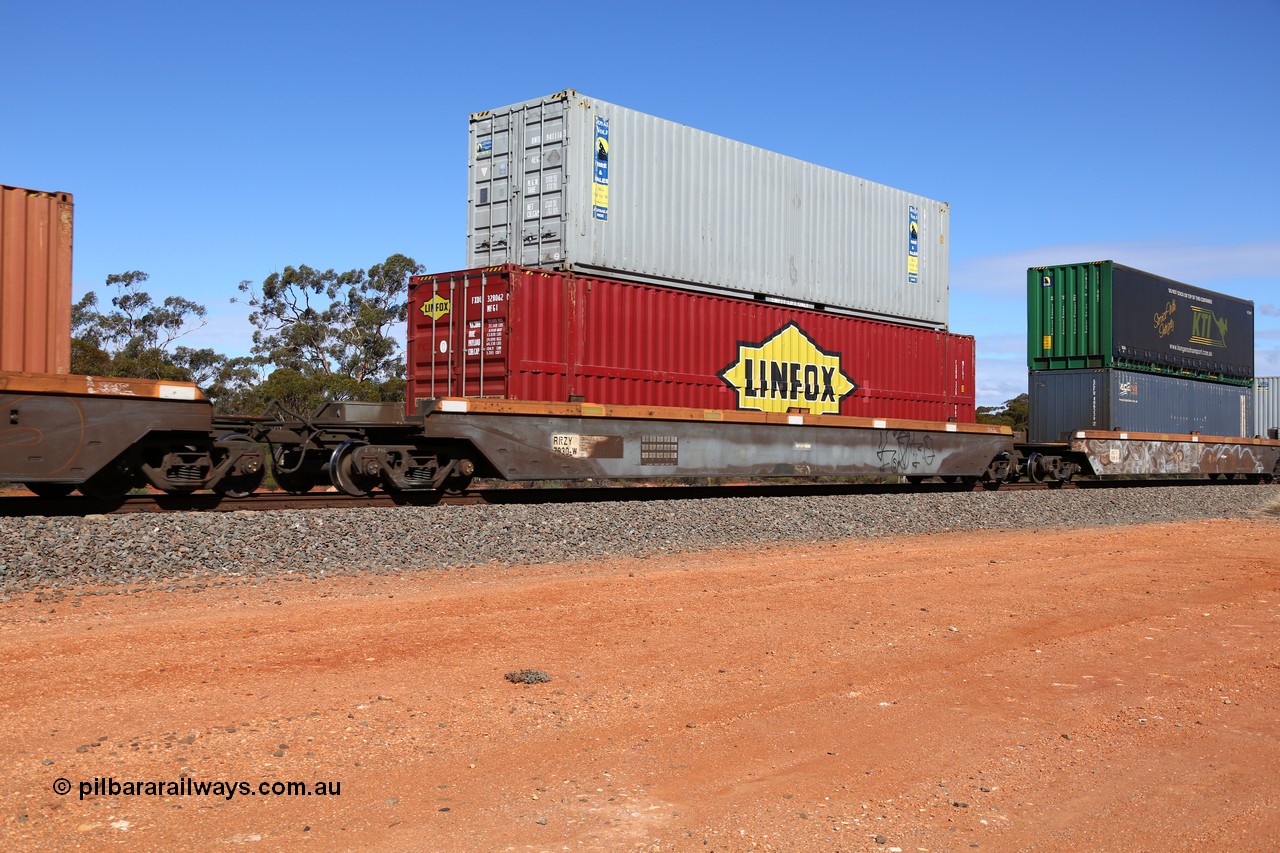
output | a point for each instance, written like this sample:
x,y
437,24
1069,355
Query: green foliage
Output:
x,y
135,336
135,324
318,337
225,381
89,359
1014,413
339,328
303,393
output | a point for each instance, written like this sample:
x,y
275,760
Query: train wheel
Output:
x,y
246,483
1035,470
457,486
461,473
295,482
50,491
998,471
343,473
109,484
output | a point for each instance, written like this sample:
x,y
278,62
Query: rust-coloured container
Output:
x,y
526,334
35,280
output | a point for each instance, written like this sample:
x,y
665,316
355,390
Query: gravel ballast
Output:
x,y
199,548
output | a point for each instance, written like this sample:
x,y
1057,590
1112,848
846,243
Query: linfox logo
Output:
x,y
435,307
785,371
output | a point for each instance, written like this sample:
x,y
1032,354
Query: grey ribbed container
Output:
x,y
1266,404
571,182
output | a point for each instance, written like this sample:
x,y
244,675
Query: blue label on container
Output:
x,y
484,147
600,174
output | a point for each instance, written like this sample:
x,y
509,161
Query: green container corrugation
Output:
x,y
1101,314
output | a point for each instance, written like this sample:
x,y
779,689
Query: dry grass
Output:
x,y
528,676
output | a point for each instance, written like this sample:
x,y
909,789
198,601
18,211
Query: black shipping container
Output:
x,y
1104,314
1063,401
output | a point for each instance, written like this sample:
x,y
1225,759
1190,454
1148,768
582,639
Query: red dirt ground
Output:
x,y
1101,689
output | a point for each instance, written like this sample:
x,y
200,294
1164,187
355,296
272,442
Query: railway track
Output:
x,y
78,505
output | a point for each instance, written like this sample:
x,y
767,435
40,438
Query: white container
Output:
x,y
569,182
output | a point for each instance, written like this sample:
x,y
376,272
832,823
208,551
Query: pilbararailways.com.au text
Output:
x,y
109,786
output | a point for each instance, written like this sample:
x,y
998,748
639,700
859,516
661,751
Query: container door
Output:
x,y
517,199
479,366
958,365
1069,316
433,333
457,335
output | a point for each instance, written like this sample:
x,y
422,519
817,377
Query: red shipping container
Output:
x,y
526,334
35,280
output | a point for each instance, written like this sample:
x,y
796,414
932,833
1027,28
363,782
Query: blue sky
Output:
x,y
208,143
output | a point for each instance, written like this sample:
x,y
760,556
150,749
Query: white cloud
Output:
x,y
999,379
1006,274
1001,345
1267,362
1269,310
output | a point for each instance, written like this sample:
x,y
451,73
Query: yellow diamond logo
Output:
x,y
435,307
788,371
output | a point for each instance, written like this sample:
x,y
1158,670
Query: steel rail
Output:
x,y
78,505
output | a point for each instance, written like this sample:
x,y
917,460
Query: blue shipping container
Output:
x,y
1063,401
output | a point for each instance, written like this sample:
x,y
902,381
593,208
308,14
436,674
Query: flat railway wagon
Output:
x,y
358,447
1114,454
106,437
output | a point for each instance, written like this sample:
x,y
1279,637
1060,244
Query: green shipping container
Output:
x,y
1105,315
